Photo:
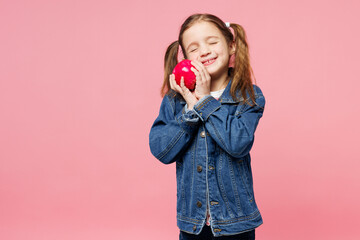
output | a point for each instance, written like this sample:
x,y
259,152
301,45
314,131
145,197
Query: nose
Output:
x,y
204,51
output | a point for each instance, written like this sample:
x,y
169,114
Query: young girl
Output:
x,y
209,132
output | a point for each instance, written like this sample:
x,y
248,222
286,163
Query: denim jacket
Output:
x,y
210,145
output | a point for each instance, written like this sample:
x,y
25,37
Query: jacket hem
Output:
x,y
221,228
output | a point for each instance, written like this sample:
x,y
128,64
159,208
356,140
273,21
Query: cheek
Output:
x,y
221,51
192,56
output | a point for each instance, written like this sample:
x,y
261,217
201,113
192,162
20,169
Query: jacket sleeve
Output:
x,y
172,132
233,133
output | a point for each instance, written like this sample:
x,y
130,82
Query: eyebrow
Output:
x,y
205,39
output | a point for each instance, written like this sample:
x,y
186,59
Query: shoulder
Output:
x,y
259,96
173,99
174,96
257,91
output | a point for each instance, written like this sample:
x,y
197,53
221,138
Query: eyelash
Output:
x,y
210,44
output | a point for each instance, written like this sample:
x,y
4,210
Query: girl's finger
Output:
x,y
183,87
202,70
197,73
178,88
171,81
182,84
174,86
199,69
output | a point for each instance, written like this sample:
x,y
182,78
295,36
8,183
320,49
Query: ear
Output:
x,y
232,47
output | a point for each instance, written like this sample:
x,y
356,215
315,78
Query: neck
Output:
x,y
218,83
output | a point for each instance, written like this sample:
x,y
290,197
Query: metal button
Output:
x,y
202,134
217,230
211,168
214,203
194,227
199,204
199,168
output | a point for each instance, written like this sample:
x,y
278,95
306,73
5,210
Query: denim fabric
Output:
x,y
206,234
211,148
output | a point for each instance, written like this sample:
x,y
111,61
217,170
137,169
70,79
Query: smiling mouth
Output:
x,y
208,62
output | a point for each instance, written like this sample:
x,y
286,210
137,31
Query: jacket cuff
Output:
x,y
188,121
206,107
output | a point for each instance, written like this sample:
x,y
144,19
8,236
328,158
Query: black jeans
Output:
x,y
206,234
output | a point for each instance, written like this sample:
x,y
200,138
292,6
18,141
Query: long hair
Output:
x,y
242,72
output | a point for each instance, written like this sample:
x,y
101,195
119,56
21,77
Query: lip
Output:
x,y
204,62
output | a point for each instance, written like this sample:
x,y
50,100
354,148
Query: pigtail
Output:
x,y
170,61
242,72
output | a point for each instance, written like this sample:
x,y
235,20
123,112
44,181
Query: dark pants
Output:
x,y
206,234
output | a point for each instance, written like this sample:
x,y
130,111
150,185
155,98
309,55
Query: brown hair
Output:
x,y
242,72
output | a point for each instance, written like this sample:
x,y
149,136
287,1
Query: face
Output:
x,y
204,42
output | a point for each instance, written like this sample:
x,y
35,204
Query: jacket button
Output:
x,y
217,230
194,227
211,168
214,203
202,134
199,204
199,168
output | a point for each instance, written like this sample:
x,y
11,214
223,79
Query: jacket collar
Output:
x,y
226,96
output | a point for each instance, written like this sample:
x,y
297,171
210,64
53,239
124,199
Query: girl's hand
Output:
x,y
203,79
189,97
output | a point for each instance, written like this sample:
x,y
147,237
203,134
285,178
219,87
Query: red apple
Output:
x,y
183,69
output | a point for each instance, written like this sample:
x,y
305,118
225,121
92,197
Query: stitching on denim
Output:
x,y
189,220
208,115
203,103
192,175
181,187
235,154
240,219
184,125
241,99
240,164
222,189
183,207
170,145
171,102
231,100
242,108
218,135
179,120
171,94
233,182
207,192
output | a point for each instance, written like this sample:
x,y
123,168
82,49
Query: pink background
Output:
x,y
79,91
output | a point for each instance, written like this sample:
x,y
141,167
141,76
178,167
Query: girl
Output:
x,y
209,132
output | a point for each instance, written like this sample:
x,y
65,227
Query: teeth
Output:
x,y
210,60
